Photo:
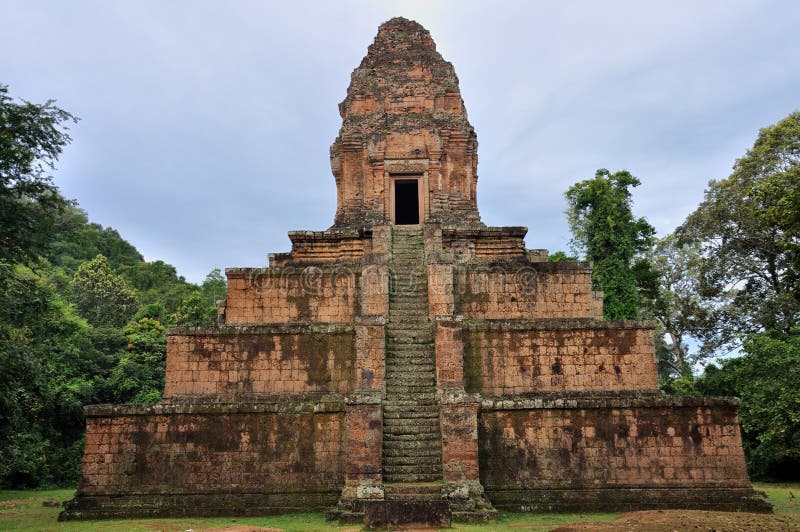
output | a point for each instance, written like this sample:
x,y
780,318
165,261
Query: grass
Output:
x,y
23,510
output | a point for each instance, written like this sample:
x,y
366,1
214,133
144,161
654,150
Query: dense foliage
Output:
x,y
31,139
82,315
748,228
725,286
605,230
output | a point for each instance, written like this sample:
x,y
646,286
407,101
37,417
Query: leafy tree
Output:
x,y
605,230
749,234
75,240
101,296
765,378
215,286
195,311
157,282
139,376
680,312
32,137
49,369
561,256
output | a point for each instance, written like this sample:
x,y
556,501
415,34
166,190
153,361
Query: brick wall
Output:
x,y
241,361
604,443
522,289
321,246
194,449
317,294
508,357
485,242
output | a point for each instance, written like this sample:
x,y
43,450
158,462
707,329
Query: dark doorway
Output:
x,y
406,202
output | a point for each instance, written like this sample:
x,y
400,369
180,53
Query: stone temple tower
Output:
x,y
406,152
410,364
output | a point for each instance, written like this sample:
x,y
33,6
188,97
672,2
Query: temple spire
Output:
x,y
404,124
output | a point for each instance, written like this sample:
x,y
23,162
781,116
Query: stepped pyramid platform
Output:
x,y
410,364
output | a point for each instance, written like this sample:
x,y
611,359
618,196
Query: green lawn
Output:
x,y
23,510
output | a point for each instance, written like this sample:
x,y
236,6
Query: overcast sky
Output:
x,y
205,126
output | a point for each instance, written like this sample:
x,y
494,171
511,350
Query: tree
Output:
x,y
680,312
214,287
195,311
765,378
74,240
32,137
139,376
605,230
561,256
101,296
749,233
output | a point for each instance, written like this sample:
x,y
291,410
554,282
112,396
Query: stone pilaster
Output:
x,y
363,440
371,353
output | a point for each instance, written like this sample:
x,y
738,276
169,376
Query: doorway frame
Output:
x,y
393,180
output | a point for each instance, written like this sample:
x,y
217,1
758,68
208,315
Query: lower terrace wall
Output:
x,y
520,356
239,362
601,453
211,459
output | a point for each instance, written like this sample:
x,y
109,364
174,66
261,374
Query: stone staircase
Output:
x,y
412,444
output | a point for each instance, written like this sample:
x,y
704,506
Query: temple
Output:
x,y
410,362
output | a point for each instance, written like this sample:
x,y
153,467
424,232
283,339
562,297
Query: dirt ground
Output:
x,y
690,520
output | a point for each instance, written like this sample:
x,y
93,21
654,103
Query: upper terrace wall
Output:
x,y
512,289
325,293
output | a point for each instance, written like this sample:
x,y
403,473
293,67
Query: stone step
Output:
x,y
405,380
407,288
409,292
413,448
428,436
415,326
399,477
425,398
409,336
408,319
415,397
405,351
408,344
411,427
404,348
415,490
408,362
414,362
410,464
411,361
415,469
408,305
410,407
397,390
417,418
413,418
433,448
410,377
399,358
